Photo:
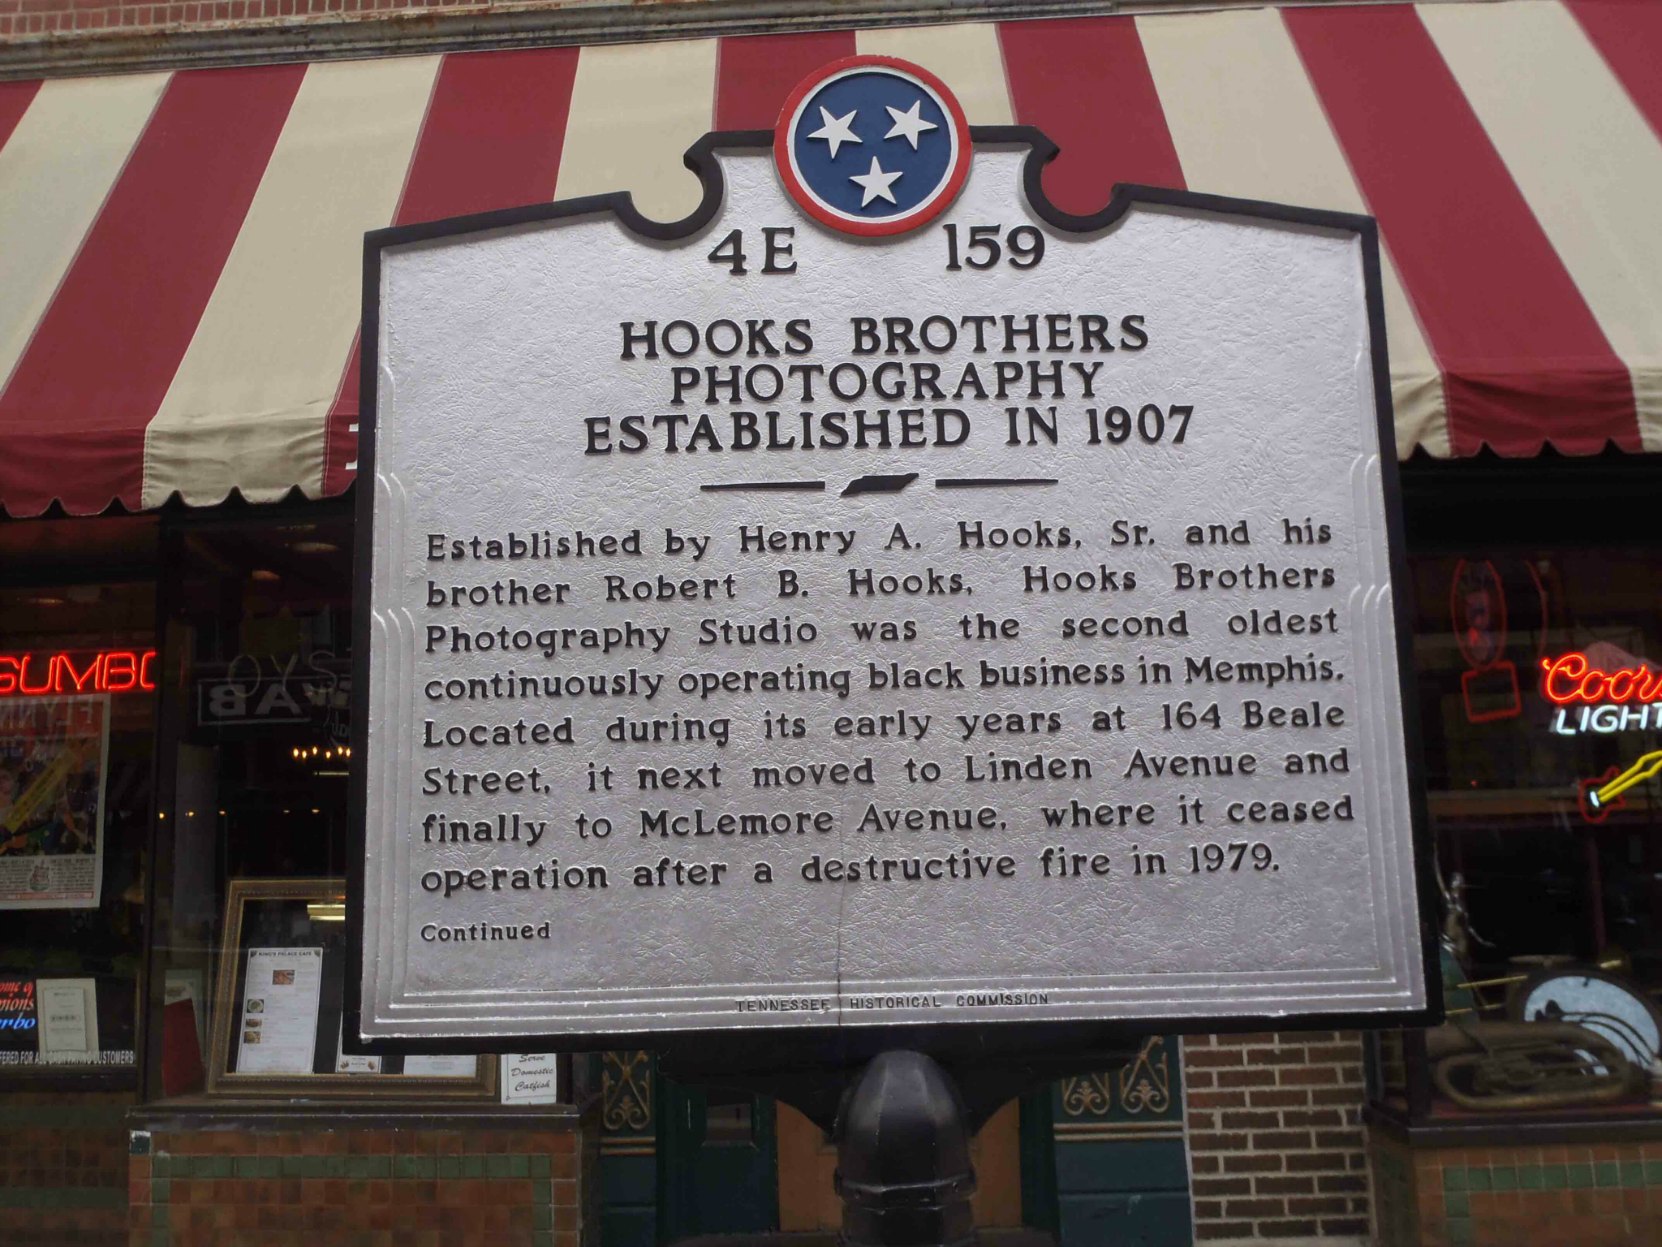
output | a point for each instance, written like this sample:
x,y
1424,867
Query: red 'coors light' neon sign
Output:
x,y
69,672
1573,680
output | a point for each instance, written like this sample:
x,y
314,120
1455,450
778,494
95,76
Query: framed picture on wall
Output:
x,y
277,1021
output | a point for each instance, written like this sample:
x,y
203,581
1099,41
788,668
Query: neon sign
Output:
x,y
1589,697
1572,680
69,672
1599,796
1477,606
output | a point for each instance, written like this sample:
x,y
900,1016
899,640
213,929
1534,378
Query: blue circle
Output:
x,y
869,94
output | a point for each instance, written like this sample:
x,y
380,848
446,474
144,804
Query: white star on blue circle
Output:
x,y
872,144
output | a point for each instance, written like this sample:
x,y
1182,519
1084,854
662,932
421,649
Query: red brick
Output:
x,y
1281,1140
1256,1208
1316,1162
1278,1097
1246,1078
1218,1142
1252,1162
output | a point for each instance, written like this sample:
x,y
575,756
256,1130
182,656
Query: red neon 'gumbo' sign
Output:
x,y
1573,680
67,673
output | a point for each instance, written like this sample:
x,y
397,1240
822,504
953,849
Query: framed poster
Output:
x,y
54,754
880,602
277,1006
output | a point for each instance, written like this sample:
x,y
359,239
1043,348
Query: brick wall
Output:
x,y
23,18
63,1169
1275,1135
529,1187
1598,1195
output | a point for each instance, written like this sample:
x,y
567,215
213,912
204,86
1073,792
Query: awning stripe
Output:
x,y
56,170
248,405
635,109
15,98
1113,131
1524,360
125,312
1246,122
164,327
1597,198
492,137
1629,38
755,73
965,57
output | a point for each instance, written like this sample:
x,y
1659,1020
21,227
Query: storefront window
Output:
x,y
1540,682
1539,652
78,676
257,737
250,930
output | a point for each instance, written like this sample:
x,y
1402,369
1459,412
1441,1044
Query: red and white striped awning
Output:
x,y
180,252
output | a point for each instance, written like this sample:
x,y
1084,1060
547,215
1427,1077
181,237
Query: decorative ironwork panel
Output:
x,y
1087,1094
626,1092
1144,1090
1145,1084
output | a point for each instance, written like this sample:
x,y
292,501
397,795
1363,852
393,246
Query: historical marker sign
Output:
x,y
879,599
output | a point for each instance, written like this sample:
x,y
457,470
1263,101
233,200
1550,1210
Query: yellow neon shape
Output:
x,y
1648,765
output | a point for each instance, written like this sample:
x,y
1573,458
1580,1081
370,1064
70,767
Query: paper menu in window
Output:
x,y
277,1024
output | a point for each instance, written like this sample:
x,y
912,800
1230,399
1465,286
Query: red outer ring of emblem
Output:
x,y
921,215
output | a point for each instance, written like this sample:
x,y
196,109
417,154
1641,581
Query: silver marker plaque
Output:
x,y
779,620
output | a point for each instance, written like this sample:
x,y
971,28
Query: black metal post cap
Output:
x,y
903,1160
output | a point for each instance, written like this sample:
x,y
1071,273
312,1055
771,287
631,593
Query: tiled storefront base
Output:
x,y
1579,1195
378,1187
63,1169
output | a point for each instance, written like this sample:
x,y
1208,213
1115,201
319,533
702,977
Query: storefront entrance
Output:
x,y
720,1170
1094,1161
